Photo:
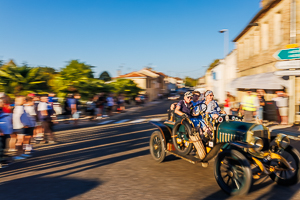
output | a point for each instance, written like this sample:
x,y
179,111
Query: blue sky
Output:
x,y
177,37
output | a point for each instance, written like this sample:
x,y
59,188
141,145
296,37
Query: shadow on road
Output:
x,y
30,179
45,188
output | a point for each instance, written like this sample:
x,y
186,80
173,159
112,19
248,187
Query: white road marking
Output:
x,y
106,122
122,121
137,121
155,119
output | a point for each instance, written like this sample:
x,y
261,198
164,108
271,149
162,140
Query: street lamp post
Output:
x,y
226,41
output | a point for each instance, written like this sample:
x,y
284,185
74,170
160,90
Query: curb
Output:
x,y
95,123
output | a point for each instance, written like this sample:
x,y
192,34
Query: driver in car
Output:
x,y
188,108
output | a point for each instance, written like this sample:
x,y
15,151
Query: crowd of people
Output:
x,y
22,122
30,119
103,105
253,106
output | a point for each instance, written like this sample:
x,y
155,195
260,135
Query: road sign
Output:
x,y
287,54
288,64
287,73
288,46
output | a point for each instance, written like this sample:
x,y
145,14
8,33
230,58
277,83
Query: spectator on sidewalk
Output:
x,y
250,105
21,121
227,104
100,105
110,104
28,131
45,118
76,113
282,105
6,129
91,108
121,102
235,106
38,132
262,102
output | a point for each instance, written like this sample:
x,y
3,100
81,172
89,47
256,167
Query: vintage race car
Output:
x,y
244,151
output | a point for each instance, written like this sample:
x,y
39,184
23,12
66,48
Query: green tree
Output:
x,y
105,76
190,82
22,80
125,86
213,64
76,77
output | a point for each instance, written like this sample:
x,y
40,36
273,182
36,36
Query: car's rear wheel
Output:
x,y
233,173
287,177
157,147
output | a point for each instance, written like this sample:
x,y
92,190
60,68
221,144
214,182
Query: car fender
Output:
x,y
164,130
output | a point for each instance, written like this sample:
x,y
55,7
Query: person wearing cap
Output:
x,y
212,107
183,107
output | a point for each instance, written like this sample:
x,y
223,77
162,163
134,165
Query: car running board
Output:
x,y
189,158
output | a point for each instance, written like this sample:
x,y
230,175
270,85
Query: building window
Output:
x,y
277,28
265,36
251,45
240,51
256,42
246,48
214,75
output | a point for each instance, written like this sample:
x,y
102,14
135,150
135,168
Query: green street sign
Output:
x,y
287,54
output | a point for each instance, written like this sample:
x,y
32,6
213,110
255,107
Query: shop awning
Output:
x,y
267,81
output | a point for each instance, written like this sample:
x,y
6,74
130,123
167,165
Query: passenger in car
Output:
x,y
212,107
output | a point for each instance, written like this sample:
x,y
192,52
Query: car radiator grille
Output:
x,y
229,137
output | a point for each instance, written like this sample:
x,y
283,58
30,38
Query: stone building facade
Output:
x,y
268,32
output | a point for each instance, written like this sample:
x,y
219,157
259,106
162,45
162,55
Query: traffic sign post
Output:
x,y
287,54
289,64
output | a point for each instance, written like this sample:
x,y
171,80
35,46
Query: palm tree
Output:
x,y
22,80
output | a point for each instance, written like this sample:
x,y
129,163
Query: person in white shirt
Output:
x,y
21,120
45,118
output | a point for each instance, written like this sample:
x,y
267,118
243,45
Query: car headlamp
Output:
x,y
282,141
258,143
226,118
220,119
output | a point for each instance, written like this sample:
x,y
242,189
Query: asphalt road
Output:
x,y
112,161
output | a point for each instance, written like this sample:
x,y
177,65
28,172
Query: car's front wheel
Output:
x,y
285,176
233,173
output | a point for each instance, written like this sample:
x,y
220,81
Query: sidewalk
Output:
x,y
85,122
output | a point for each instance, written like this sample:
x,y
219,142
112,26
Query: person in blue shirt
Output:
x,y
197,118
6,129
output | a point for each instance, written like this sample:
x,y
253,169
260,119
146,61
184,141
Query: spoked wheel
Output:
x,y
180,137
284,176
233,172
157,147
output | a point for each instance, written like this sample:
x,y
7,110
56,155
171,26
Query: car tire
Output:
x,y
182,150
287,178
157,147
233,172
